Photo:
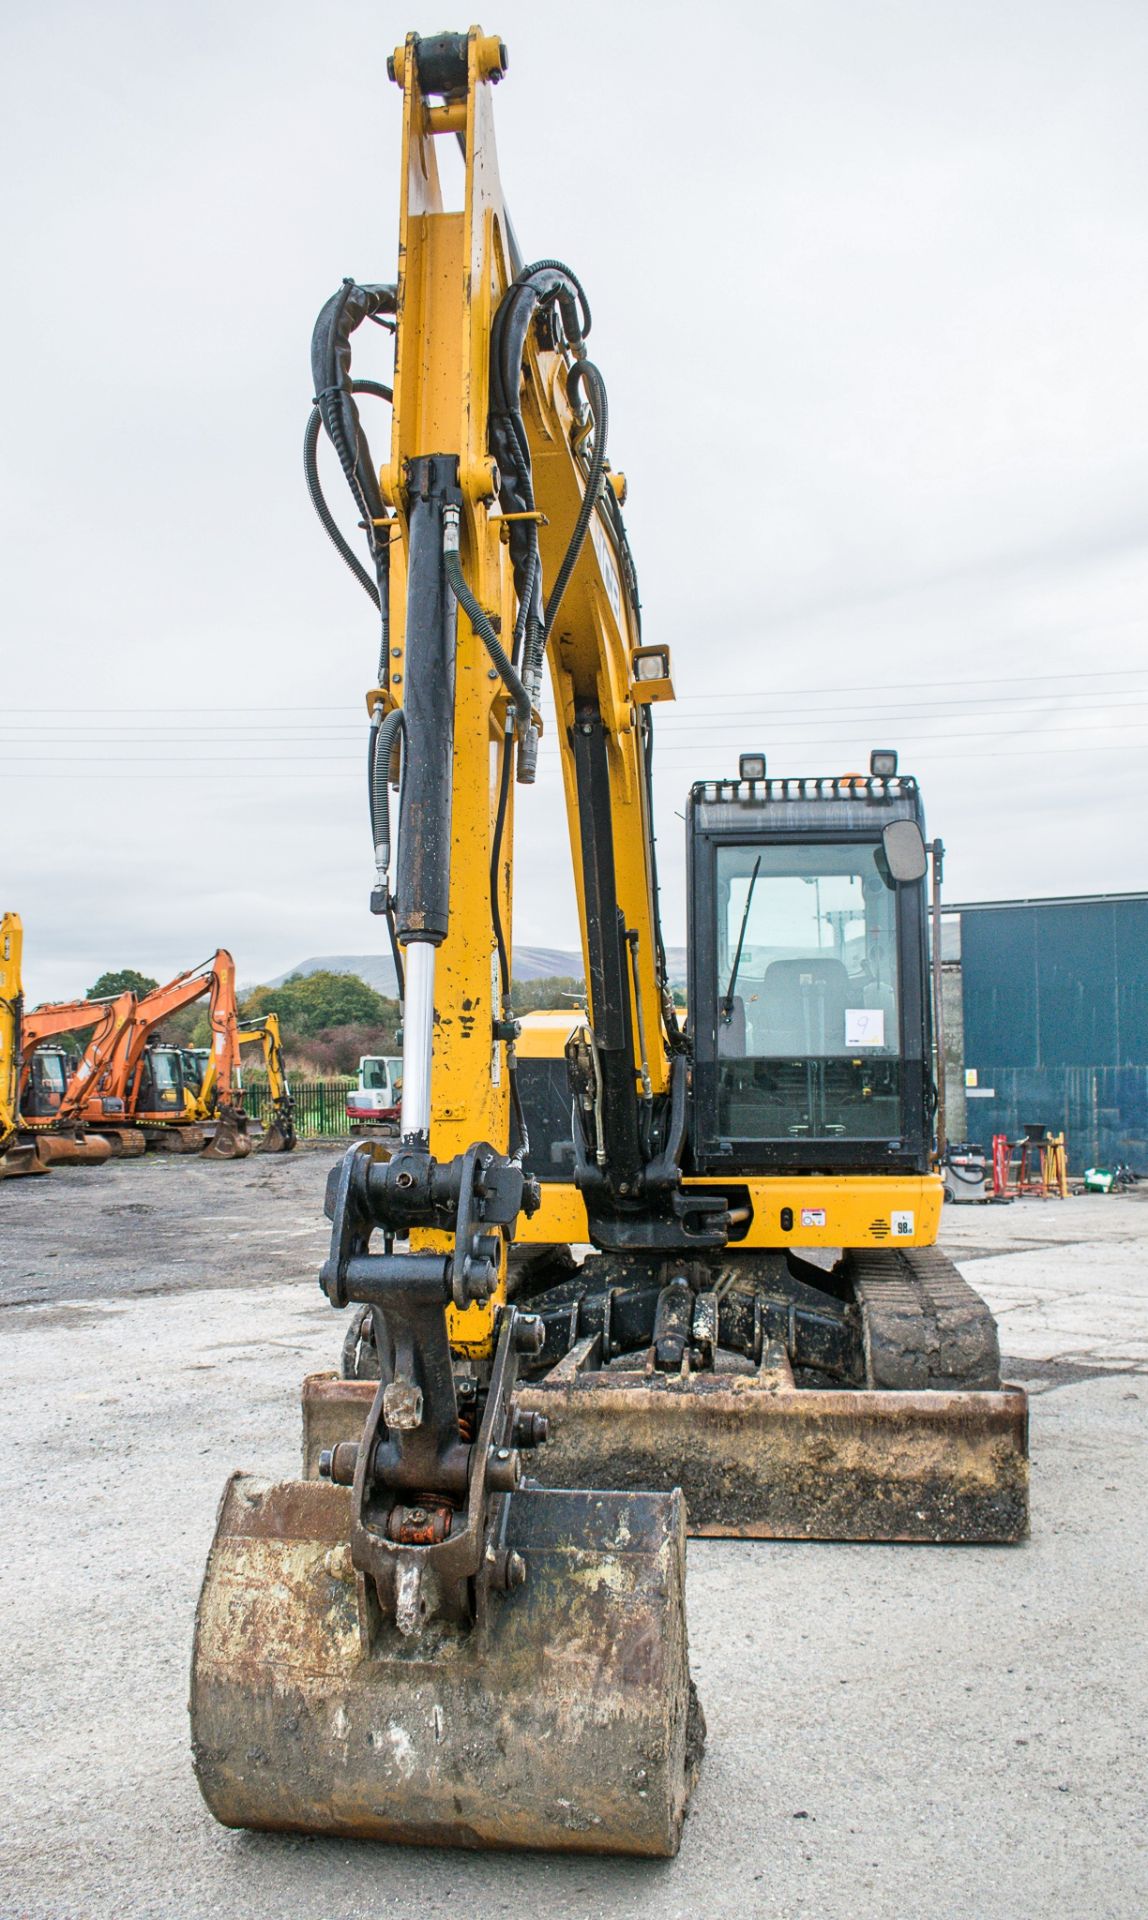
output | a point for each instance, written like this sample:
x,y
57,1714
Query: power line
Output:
x,y
344,760
294,774
775,693
672,721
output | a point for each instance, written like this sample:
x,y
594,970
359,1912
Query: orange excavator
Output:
x,y
148,1076
67,1108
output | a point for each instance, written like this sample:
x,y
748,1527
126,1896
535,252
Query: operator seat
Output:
x,y
801,1008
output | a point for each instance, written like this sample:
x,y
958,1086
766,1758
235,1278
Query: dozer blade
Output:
x,y
757,1457
226,1141
564,1719
74,1150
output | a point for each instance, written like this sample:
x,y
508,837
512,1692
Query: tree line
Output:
x,y
327,1020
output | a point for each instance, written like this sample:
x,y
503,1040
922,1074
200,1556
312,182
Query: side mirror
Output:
x,y
905,851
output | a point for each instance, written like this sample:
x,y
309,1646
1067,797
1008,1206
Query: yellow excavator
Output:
x,y
18,1153
763,1320
279,1134
421,1645
40,1122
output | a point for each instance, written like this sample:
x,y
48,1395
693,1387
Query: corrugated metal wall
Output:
x,y
1056,1021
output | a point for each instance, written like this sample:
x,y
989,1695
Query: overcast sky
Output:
x,y
869,282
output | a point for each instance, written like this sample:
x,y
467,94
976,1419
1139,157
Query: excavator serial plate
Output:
x,y
564,1719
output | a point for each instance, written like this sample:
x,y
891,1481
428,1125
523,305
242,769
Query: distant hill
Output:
x,y
530,963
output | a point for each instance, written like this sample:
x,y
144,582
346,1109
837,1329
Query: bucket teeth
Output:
x,y
564,1719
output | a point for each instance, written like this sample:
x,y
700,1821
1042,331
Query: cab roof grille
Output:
x,y
808,787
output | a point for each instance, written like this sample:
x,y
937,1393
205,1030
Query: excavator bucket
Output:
x,y
564,1719
227,1139
73,1149
22,1157
279,1136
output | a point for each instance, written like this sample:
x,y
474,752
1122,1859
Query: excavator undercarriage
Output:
x,y
782,1410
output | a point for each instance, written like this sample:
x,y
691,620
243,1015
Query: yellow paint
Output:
x,y
858,1210
453,271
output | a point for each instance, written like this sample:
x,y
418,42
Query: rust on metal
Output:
x,y
564,1719
73,1149
760,1458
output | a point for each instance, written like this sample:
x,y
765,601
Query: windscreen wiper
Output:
x,y
727,1000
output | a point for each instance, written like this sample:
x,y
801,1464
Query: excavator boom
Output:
x,y
419,1646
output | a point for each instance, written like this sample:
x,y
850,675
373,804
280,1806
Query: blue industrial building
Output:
x,y
1054,997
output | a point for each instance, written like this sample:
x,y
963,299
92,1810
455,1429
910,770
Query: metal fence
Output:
x,y
320,1105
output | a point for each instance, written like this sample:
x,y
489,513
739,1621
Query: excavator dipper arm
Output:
x,y
430,1650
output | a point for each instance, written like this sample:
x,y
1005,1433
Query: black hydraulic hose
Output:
x,y
582,372
334,390
319,502
481,624
335,401
495,863
380,746
379,754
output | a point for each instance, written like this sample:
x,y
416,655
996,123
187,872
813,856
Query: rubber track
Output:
x,y
924,1327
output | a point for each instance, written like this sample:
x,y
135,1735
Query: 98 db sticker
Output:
x,y
813,1216
903,1225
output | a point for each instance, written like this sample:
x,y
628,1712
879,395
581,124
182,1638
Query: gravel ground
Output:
x,y
893,1730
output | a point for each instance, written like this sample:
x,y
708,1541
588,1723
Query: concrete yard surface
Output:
x,y
893,1731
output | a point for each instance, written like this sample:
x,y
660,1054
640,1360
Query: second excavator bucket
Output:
x,y
563,1718
20,1158
227,1139
279,1136
73,1149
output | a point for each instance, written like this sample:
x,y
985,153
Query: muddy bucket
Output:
x,y
563,1719
279,1136
227,1140
22,1157
74,1149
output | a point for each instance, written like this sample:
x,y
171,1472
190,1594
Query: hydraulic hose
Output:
x,y
583,372
335,402
381,741
481,623
383,738
315,486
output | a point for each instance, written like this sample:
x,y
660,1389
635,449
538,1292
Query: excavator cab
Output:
x,y
47,1083
161,1091
193,1064
808,979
